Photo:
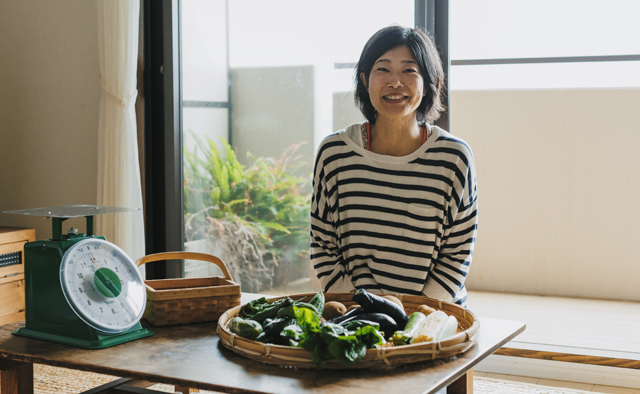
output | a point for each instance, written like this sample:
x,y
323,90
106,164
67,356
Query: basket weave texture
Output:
x,y
382,357
188,300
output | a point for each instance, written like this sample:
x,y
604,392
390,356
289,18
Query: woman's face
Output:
x,y
395,84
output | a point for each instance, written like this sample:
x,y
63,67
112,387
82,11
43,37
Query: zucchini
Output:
x,y
375,303
410,330
348,314
245,328
386,323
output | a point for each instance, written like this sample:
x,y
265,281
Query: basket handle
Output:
x,y
186,256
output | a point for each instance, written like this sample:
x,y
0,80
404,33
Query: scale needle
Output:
x,y
94,260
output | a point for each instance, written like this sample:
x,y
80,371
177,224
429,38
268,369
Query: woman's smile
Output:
x,y
394,98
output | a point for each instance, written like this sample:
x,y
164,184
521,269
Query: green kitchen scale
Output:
x,y
80,289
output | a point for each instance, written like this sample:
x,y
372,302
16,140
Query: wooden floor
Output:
x,y
596,332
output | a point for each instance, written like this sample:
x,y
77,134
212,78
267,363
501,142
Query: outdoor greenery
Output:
x,y
255,217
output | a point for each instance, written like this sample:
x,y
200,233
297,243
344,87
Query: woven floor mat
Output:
x,y
53,380
497,386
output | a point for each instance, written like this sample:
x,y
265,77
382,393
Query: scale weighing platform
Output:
x,y
80,289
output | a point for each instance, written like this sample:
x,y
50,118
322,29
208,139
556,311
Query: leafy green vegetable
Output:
x,y
318,302
326,341
255,306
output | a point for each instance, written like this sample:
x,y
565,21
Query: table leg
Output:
x,y
16,377
464,385
185,390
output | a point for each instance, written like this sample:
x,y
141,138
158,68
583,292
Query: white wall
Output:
x,y
559,189
49,101
558,185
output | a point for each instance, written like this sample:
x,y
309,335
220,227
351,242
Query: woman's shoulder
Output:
x,y
445,139
351,133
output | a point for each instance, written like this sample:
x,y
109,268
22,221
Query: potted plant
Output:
x,y
254,217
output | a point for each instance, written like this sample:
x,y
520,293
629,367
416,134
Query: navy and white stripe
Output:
x,y
394,224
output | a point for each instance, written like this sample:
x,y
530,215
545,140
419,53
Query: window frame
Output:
x,y
163,199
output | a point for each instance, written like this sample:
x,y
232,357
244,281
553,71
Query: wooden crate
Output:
x,y
189,300
12,240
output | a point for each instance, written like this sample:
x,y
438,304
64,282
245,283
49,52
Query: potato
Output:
x,y
354,306
425,309
394,299
333,309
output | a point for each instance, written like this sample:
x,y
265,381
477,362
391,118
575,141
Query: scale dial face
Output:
x,y
102,285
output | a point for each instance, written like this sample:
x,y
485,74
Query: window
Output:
x,y
502,44
271,79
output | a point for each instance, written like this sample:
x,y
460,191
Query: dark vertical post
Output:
x,y
163,135
433,16
173,135
89,229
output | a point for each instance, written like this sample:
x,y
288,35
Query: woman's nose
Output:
x,y
394,81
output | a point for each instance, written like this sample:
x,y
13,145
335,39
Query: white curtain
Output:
x,y
118,169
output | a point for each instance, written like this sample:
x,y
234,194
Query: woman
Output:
x,y
394,208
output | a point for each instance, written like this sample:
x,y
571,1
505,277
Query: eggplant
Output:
x,y
347,315
386,323
374,303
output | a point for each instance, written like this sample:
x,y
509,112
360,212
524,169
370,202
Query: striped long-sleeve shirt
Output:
x,y
404,225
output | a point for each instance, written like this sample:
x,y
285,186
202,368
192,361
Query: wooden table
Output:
x,y
190,356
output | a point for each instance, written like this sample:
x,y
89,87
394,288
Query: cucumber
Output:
x,y
374,303
245,328
410,330
386,323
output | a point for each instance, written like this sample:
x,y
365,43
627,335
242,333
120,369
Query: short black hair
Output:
x,y
424,51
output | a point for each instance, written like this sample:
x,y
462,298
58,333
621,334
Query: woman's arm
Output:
x,y
326,255
449,270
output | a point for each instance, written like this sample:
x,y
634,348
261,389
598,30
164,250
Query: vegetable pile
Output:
x,y
331,331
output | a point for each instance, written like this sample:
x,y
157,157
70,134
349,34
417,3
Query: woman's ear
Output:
x,y
363,78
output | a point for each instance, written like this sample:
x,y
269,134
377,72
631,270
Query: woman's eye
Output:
x,y
410,70
382,69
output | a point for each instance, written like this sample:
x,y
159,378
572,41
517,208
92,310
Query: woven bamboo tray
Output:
x,y
384,357
188,300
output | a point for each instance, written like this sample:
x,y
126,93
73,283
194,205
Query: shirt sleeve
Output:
x,y
449,270
326,255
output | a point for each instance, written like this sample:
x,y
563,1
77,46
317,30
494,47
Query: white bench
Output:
x,y
572,339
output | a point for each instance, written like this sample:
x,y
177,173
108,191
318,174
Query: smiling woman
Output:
x,y
394,207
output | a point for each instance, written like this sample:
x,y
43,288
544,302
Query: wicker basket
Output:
x,y
188,300
384,357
